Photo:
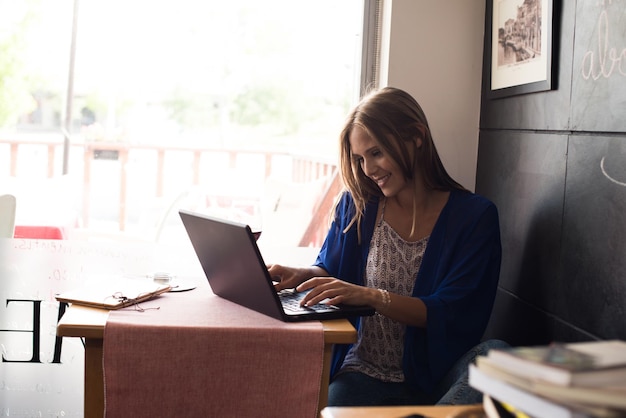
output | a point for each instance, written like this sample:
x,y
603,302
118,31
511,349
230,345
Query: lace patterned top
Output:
x,y
392,264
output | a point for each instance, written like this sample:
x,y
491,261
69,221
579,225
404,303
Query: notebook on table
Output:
x,y
114,293
235,270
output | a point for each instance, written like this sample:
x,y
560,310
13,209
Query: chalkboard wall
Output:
x,y
554,163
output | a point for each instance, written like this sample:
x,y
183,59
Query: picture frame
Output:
x,y
521,47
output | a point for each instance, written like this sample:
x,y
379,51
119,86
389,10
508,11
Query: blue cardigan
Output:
x,y
457,280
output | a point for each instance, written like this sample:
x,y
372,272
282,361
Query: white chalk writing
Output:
x,y
621,183
607,60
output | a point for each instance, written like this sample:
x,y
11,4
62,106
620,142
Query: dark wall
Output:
x,y
554,163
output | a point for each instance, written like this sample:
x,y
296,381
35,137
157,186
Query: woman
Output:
x,y
413,243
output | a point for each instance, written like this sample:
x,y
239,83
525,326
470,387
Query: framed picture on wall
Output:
x,y
521,46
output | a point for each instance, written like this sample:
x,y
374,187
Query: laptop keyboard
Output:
x,y
291,302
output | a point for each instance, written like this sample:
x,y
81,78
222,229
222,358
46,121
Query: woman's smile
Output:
x,y
380,181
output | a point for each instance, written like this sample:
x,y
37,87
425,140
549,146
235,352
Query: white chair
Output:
x,y
7,215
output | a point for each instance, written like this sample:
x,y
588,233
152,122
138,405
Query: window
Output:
x,y
229,107
115,114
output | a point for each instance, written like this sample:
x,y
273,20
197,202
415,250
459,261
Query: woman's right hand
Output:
x,y
290,277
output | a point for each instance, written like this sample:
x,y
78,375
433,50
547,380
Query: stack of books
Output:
x,y
559,380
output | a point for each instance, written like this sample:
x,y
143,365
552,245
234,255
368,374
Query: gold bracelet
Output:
x,y
386,298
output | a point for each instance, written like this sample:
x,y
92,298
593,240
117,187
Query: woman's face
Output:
x,y
375,163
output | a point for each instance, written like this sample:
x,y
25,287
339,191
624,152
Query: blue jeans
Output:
x,y
357,389
455,388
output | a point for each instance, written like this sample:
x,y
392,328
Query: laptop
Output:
x,y
235,270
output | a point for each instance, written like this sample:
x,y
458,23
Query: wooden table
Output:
x,y
89,323
455,411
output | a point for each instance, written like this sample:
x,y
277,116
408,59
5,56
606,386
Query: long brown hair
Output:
x,y
394,119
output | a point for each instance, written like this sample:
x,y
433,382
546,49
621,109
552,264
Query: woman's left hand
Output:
x,y
336,291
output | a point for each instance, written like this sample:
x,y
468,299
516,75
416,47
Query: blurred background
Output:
x,y
115,114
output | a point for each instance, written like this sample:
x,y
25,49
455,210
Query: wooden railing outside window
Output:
x,y
304,169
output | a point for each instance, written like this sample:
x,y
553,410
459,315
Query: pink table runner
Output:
x,y
199,355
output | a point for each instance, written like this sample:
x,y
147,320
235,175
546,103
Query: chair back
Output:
x,y
7,215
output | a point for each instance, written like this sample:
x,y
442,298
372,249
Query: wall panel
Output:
x,y
548,110
593,266
555,165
